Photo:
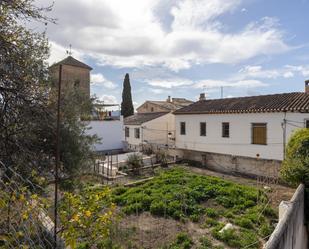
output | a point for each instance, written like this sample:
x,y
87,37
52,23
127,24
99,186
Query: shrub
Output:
x,y
158,208
205,242
244,222
161,157
210,212
135,162
295,167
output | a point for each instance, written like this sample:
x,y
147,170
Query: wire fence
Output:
x,y
24,219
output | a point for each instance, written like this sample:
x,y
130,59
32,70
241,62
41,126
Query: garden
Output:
x,y
181,209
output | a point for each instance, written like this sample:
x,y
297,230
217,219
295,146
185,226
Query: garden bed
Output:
x,y
181,209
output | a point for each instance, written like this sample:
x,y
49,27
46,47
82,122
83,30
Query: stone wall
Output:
x,y
290,232
232,164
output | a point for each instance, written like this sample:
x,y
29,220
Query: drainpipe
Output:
x,y
284,134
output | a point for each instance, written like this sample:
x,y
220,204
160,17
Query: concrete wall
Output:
x,y
152,132
290,232
239,142
231,164
111,133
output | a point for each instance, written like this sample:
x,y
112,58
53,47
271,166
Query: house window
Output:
x,y
307,123
182,128
225,129
136,133
203,129
259,133
152,109
127,132
76,83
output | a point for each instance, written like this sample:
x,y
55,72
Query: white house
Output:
x,y
149,129
246,134
107,124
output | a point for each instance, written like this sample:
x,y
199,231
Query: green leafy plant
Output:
x,y
295,167
86,218
135,162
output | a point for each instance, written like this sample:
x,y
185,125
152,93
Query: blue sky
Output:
x,y
184,47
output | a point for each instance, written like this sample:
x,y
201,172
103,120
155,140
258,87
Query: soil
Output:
x,y
150,232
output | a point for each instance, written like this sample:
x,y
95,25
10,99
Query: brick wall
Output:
x,y
72,77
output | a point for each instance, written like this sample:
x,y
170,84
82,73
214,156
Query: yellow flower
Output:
x,y
75,217
88,213
22,197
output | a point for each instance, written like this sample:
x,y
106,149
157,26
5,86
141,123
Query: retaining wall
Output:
x,y
290,232
232,164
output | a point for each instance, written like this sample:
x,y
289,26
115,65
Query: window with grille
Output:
x,y
259,133
225,129
137,133
127,132
203,129
182,128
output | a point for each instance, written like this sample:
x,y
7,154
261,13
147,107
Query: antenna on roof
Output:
x,y
69,52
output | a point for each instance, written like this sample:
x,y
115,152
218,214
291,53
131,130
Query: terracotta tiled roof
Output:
x,y
72,62
140,118
170,106
291,102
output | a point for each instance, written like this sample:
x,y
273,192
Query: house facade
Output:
x,y
245,135
148,129
171,104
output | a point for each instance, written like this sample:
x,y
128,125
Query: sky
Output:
x,y
183,48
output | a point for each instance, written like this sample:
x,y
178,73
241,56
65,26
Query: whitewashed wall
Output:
x,y
131,139
239,142
154,131
111,134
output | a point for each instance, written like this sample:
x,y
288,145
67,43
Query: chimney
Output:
x,y
168,99
307,86
202,97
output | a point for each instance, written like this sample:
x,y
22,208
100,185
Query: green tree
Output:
x,y
295,167
28,106
23,88
127,104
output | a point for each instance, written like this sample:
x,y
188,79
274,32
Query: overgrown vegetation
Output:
x,y
295,168
210,201
135,162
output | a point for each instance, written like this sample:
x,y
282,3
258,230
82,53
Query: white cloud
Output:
x,y
156,90
302,69
99,80
210,84
169,83
59,52
108,99
132,34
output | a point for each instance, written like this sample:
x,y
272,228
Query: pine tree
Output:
x,y
126,104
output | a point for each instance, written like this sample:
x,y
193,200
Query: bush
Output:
x,y
158,208
161,157
295,167
210,212
244,222
135,162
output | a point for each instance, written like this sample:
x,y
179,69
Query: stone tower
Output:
x,y
75,74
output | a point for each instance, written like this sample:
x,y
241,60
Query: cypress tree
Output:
x,y
126,104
